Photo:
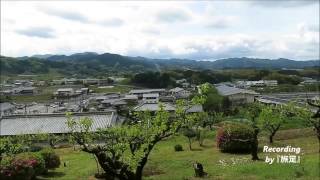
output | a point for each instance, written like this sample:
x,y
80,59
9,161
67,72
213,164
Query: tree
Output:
x,y
251,112
9,147
190,133
126,148
311,118
315,118
202,134
213,101
271,118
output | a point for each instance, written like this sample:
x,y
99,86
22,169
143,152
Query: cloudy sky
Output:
x,y
165,29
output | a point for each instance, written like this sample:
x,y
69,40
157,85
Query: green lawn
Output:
x,y
31,98
165,163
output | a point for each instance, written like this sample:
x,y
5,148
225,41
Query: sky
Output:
x,y
200,30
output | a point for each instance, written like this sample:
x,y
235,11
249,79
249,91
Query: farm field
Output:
x,y
178,165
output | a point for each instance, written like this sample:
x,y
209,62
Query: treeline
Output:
x,y
147,76
167,78
154,80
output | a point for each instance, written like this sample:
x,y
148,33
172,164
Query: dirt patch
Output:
x,y
152,171
294,133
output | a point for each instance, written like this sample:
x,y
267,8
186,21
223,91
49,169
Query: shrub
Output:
x,y
22,166
189,132
35,148
234,137
51,159
178,147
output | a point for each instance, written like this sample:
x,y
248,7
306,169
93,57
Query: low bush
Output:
x,y
234,137
178,147
22,166
51,159
35,148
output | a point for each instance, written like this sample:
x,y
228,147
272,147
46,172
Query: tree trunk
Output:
x,y
319,141
190,148
255,143
114,170
143,162
271,137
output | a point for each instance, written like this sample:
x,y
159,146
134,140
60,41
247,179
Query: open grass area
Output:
x,y
166,164
31,98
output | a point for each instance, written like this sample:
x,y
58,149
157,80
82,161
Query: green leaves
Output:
x,y
8,147
271,118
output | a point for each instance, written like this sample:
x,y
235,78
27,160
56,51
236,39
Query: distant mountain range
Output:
x,y
93,62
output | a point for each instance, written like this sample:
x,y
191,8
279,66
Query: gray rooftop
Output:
x,y
51,123
167,107
177,89
195,108
225,90
130,97
5,106
150,95
154,107
114,101
140,91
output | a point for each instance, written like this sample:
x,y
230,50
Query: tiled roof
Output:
x,y
195,108
139,91
225,90
51,123
177,89
151,95
130,97
167,107
154,107
5,106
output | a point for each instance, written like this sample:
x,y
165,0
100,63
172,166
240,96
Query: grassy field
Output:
x,y
166,164
31,98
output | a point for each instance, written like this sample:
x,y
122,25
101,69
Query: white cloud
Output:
x,y
153,29
41,32
172,15
284,3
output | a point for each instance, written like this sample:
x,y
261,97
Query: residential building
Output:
x,y
64,92
309,81
84,90
131,99
179,93
140,92
271,83
113,102
112,95
6,108
23,90
260,83
235,95
150,98
180,81
154,107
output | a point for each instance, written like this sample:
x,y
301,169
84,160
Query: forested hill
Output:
x,y
93,63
